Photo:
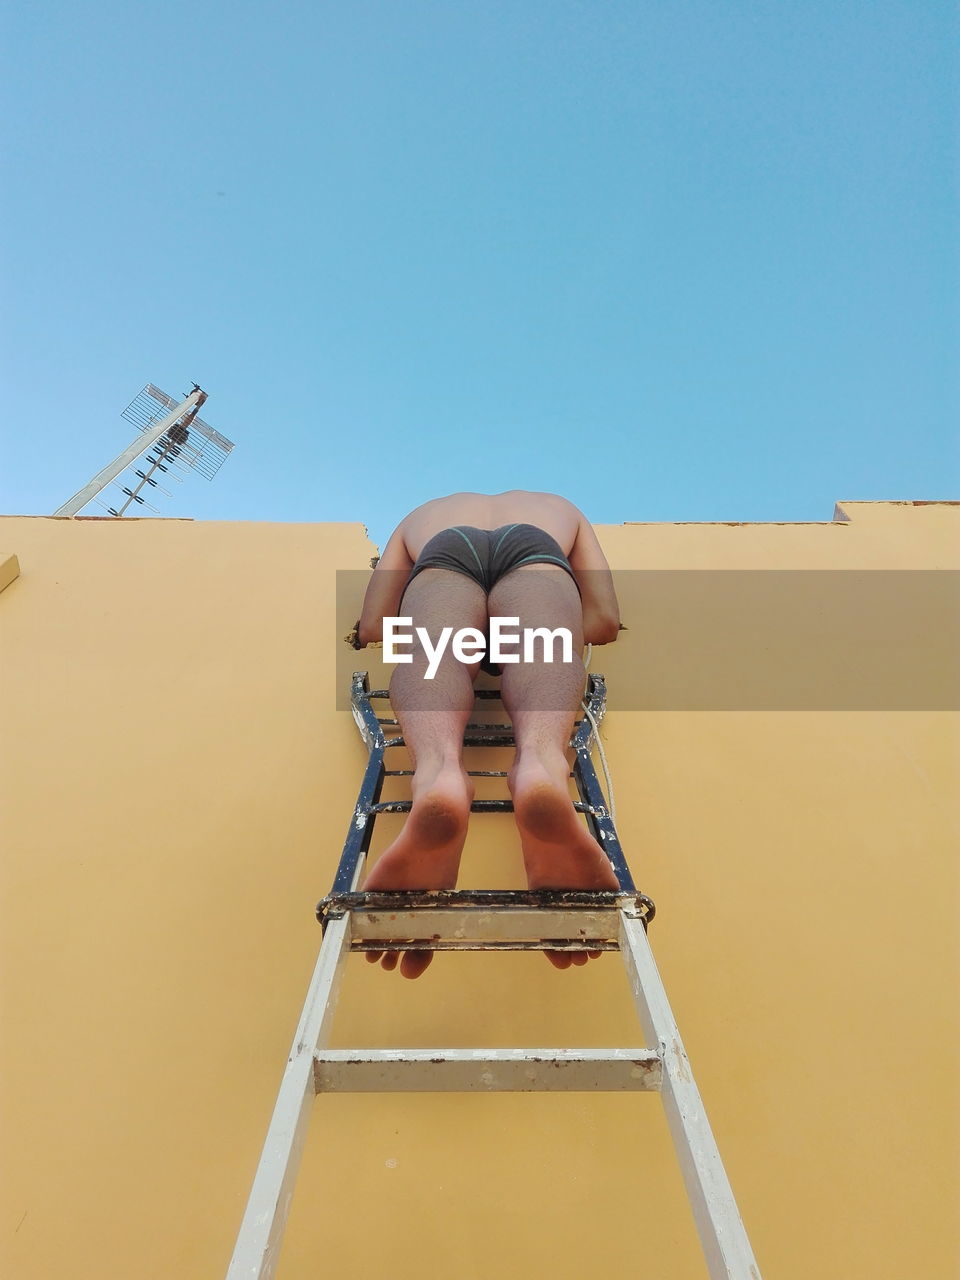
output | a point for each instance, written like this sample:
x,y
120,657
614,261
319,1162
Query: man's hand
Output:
x,y
352,638
600,628
384,590
601,610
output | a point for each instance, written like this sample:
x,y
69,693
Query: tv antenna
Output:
x,y
175,441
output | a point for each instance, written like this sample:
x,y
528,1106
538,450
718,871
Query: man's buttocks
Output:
x,y
554,515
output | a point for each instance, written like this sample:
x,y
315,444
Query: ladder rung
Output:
x,y
477,693
487,915
485,944
461,928
485,899
479,734
470,740
478,806
485,1070
471,773
486,919
382,917
502,728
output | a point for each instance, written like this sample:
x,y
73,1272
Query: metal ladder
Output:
x,y
484,921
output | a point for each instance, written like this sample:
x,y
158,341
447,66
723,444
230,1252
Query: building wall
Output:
x,y
177,782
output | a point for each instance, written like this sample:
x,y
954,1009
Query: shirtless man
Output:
x,y
458,561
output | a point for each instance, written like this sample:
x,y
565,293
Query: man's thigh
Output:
x,y
539,595
439,598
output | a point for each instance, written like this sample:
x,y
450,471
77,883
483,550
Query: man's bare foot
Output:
x,y
426,854
558,850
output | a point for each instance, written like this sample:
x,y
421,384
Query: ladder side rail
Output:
x,y
261,1231
363,713
722,1234
588,784
362,823
595,698
257,1249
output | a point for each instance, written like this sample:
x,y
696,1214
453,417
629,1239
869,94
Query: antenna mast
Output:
x,y
177,439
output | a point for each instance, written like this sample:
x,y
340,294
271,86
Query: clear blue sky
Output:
x,y
677,261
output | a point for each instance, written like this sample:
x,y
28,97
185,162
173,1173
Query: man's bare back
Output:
x,y
565,584
553,514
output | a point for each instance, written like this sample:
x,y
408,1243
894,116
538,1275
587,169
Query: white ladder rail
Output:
x,y
257,1250
720,1227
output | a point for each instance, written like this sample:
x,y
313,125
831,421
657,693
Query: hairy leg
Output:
x,y
432,715
542,699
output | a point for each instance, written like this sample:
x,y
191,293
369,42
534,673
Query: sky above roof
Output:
x,y
687,261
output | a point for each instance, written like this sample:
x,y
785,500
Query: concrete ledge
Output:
x,y
9,568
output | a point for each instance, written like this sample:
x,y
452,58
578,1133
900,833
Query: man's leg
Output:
x,y
542,700
433,715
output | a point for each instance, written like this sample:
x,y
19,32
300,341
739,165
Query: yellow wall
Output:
x,y
176,787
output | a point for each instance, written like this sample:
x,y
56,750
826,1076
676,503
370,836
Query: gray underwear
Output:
x,y
487,555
